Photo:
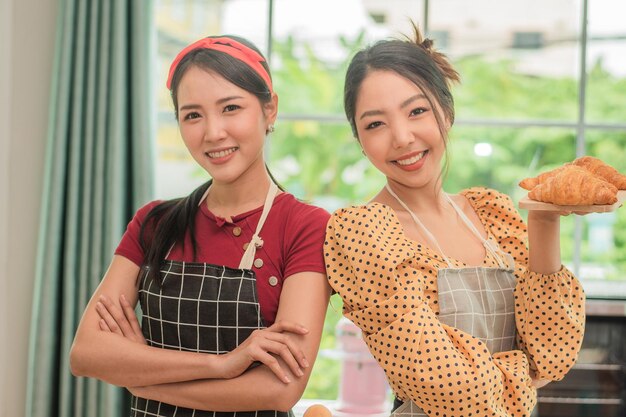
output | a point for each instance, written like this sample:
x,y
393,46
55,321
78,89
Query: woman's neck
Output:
x,y
246,193
429,198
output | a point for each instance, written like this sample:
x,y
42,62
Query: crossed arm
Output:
x,y
197,380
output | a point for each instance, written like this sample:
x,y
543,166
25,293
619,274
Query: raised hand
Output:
x,y
536,382
265,346
119,319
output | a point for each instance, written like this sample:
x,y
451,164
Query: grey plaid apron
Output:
x,y
202,308
476,300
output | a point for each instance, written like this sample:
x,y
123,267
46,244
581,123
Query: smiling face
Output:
x,y
398,130
223,125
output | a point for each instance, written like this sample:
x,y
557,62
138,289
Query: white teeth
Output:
x,y
221,154
411,160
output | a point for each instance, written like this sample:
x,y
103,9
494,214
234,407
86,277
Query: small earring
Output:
x,y
270,129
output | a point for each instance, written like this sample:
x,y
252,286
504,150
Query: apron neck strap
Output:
x,y
490,246
256,241
417,221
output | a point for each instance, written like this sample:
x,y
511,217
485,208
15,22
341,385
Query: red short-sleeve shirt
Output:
x,y
293,236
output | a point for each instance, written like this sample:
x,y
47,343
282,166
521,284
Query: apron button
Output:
x,y
245,246
258,262
273,281
236,230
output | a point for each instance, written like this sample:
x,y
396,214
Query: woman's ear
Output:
x,y
447,122
270,109
361,146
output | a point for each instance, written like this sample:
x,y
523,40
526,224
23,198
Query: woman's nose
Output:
x,y
214,131
402,135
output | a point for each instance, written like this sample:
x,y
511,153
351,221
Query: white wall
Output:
x,y
27,33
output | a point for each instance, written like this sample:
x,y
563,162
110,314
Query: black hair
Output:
x,y
232,69
413,59
168,222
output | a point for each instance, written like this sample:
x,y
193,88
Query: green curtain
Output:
x,y
99,170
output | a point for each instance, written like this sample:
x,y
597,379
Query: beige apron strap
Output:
x,y
256,241
167,255
488,244
206,193
417,221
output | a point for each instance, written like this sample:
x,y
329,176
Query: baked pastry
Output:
x,y
602,169
572,185
532,182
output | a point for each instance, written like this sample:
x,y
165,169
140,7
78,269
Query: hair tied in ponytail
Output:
x,y
427,44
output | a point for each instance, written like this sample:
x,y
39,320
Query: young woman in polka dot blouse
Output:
x,y
464,319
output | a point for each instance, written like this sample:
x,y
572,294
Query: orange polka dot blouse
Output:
x,y
389,289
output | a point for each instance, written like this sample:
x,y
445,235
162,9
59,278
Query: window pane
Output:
x,y
500,158
603,263
322,163
606,61
515,62
313,42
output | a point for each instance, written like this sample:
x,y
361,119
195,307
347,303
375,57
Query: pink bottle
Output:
x,y
363,388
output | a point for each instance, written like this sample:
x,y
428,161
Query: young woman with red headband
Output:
x,y
230,279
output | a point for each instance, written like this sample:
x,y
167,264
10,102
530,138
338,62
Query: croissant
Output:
x,y
602,169
532,182
574,186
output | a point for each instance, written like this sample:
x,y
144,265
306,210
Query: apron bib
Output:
x,y
202,308
477,300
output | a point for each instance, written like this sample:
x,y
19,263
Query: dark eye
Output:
x,y
231,107
418,111
373,125
191,115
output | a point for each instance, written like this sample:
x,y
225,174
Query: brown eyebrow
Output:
x,y
402,105
220,101
370,113
189,107
410,100
225,99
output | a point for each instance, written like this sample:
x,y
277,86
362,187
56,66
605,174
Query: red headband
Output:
x,y
230,47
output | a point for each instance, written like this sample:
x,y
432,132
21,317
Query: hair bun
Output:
x,y
427,44
439,58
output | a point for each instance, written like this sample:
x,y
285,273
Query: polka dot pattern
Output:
x,y
389,287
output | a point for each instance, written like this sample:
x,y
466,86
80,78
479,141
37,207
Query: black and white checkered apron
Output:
x,y
201,308
476,300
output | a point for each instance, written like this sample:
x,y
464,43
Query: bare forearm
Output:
x,y
233,394
304,299
544,242
116,360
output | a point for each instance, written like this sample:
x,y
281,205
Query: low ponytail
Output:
x,y
166,225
